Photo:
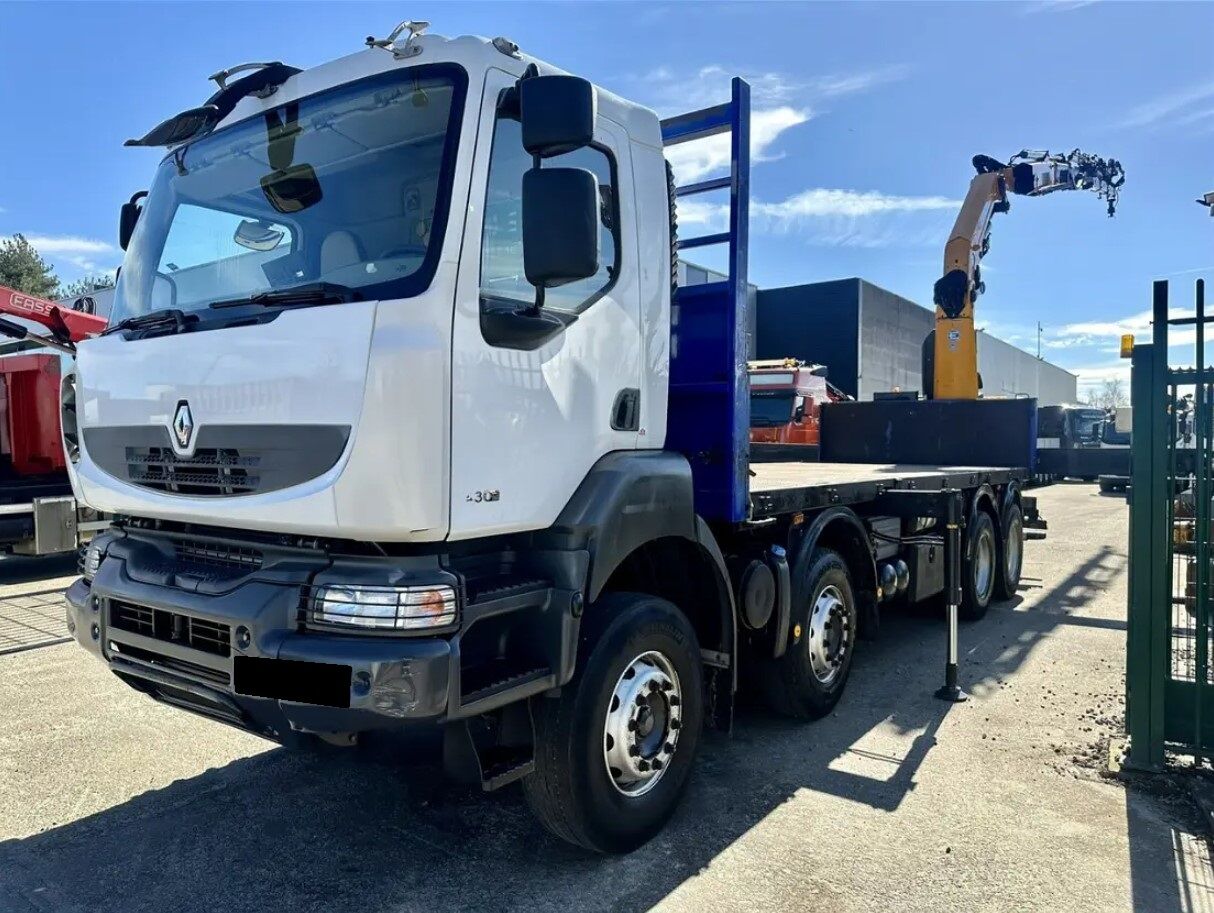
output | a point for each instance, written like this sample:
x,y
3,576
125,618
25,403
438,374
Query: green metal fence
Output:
x,y
1169,688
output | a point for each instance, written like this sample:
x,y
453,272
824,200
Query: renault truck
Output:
x,y
404,424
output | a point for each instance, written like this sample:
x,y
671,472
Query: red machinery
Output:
x,y
37,512
29,396
65,323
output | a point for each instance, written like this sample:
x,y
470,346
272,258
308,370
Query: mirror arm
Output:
x,y
537,163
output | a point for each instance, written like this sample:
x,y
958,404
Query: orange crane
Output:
x,y
951,350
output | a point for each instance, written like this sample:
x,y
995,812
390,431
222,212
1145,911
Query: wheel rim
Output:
x,y
1015,550
829,637
984,564
644,716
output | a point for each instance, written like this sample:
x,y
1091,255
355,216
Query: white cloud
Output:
x,y
74,256
672,93
695,160
1092,377
701,212
1106,334
1056,6
1175,108
851,83
851,203
778,103
833,217
68,244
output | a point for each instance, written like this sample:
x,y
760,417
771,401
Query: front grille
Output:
x,y
134,618
228,460
169,663
171,627
208,471
199,552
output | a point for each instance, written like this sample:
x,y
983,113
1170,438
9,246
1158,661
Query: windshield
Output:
x,y
771,408
349,187
1086,425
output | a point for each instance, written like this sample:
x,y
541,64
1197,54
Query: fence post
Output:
x,y
1143,753
1149,606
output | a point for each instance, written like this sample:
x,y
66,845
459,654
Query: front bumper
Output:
x,y
391,681
214,626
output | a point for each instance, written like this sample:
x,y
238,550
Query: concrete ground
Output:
x,y
896,802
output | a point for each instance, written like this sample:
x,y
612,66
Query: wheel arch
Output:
x,y
634,515
985,499
1011,496
839,529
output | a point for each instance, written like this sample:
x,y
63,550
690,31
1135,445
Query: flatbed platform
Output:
x,y
786,487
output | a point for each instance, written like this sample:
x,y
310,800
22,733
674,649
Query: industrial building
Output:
x,y
871,340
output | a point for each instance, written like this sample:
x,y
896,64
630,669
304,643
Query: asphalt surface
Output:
x,y
896,802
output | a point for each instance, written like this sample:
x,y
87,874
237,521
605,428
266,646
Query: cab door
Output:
x,y
531,416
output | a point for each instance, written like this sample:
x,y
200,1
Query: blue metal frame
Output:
x,y
709,403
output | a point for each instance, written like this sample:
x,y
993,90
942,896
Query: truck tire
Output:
x,y
613,752
1011,553
980,568
807,681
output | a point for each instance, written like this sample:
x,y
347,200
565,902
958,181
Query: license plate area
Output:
x,y
326,684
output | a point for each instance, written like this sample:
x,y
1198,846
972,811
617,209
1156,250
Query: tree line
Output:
x,y
22,268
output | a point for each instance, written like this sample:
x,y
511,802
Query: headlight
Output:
x,y
383,607
92,559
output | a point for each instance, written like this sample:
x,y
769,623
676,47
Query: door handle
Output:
x,y
626,413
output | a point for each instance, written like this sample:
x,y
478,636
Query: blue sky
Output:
x,y
865,120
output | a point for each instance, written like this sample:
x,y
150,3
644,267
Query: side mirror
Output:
x,y
556,113
798,415
560,226
128,216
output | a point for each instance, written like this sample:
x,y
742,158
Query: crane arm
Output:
x,y
67,326
72,325
1028,173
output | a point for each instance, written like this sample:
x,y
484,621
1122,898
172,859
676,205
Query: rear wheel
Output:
x,y
807,681
613,752
980,569
1011,553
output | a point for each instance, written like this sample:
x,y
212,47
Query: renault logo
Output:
x,y
183,424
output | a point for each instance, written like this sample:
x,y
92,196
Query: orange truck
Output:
x,y
785,399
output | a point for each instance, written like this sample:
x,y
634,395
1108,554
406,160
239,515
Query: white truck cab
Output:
x,y
377,420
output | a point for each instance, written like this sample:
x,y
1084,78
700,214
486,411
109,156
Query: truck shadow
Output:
x,y
369,830
22,569
334,832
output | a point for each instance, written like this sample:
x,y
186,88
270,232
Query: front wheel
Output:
x,y
613,752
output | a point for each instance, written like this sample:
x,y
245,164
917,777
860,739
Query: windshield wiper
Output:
x,y
312,293
164,317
